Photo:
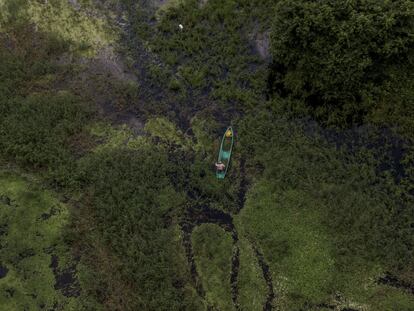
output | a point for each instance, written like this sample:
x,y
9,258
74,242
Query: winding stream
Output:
x,y
268,278
196,215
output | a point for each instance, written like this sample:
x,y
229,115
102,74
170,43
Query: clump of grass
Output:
x,y
251,284
212,252
166,131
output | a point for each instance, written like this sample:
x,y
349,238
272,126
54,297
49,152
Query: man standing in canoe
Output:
x,y
220,166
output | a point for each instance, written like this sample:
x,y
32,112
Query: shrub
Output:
x,y
337,56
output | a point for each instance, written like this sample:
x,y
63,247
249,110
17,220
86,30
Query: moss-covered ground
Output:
x,y
33,250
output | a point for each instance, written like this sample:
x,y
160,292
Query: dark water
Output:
x,y
3,271
65,279
197,215
268,278
393,281
235,264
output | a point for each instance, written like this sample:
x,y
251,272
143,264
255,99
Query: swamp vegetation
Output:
x,y
110,120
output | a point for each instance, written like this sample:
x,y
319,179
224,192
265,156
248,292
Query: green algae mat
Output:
x,y
35,270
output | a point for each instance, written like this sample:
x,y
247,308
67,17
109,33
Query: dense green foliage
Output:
x,y
32,223
342,58
330,210
212,253
36,123
124,187
340,221
34,130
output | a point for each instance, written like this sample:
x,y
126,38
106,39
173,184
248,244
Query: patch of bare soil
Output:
x,y
107,82
104,79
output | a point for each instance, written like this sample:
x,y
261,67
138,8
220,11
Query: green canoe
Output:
x,y
225,152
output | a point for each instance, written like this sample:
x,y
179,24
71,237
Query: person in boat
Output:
x,y
220,166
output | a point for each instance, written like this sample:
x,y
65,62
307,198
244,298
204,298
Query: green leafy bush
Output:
x,y
338,56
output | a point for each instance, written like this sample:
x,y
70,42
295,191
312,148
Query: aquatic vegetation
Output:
x,y
213,252
37,262
309,217
251,284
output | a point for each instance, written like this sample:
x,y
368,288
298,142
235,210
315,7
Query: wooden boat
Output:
x,y
225,152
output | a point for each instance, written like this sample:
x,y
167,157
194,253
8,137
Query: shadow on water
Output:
x,y
188,246
241,195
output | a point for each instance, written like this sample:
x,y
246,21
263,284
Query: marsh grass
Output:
x,y
34,222
251,284
323,218
85,33
213,252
